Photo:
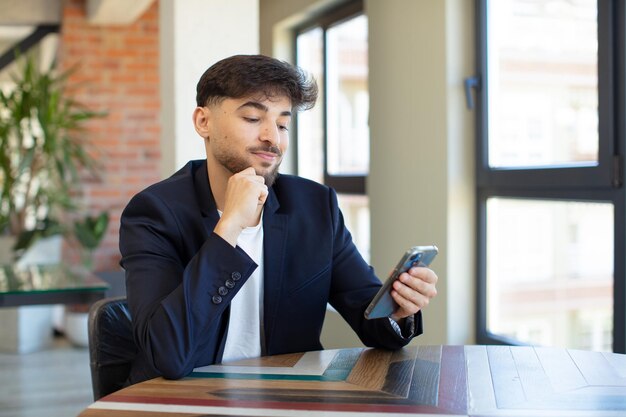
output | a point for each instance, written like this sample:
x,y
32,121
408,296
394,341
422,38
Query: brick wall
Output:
x,y
118,72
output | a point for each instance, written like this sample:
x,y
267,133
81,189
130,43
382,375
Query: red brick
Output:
x,y
118,72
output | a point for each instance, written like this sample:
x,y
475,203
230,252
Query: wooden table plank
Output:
x,y
278,361
329,364
617,362
425,383
342,363
506,380
481,394
453,380
595,368
560,369
135,413
533,378
400,372
371,369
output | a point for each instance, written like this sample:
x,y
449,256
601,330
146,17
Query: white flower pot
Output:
x,y
28,329
25,329
76,328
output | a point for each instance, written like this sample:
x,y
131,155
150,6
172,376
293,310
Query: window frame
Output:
x,y
603,182
343,184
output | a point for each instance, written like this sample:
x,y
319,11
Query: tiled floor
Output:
x,y
53,383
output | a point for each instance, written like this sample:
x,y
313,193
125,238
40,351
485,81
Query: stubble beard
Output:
x,y
235,163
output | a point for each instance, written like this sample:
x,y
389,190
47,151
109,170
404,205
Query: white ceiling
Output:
x,y
30,12
19,18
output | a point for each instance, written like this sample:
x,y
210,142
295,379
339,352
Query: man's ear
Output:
x,y
201,117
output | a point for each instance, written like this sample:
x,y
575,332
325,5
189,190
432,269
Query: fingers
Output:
x,y
245,192
425,274
414,290
248,176
259,189
263,195
409,299
247,171
423,280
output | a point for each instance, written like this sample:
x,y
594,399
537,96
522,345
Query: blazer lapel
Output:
x,y
274,249
205,199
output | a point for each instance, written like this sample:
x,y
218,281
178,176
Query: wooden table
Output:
x,y
424,380
48,284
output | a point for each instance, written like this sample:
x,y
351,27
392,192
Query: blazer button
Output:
x,y
230,283
222,291
235,276
216,299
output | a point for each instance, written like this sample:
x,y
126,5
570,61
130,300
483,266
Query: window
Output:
x,y
333,137
549,178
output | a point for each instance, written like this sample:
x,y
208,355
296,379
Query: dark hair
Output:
x,y
244,75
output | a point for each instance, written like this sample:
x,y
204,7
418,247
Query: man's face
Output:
x,y
249,132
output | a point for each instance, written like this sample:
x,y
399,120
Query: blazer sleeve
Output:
x,y
354,285
173,288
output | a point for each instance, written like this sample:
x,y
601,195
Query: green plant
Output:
x,y
89,232
42,152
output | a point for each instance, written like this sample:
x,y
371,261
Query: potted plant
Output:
x,y
42,153
88,234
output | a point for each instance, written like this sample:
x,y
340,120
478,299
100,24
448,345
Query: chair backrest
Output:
x,y
111,345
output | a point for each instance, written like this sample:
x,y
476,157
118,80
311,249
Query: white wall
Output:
x,y
194,34
421,171
461,204
422,146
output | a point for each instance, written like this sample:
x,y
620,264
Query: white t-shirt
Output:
x,y
246,308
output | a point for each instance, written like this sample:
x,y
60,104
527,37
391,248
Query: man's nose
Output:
x,y
270,134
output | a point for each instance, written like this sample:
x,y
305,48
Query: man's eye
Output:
x,y
251,119
283,127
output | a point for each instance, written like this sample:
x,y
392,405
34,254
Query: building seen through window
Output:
x,y
549,251
333,138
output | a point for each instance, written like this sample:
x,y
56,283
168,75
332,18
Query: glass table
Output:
x,y
48,284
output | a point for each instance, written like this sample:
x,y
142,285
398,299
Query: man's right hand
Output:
x,y
245,196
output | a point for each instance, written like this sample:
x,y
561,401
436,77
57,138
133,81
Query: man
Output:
x,y
227,259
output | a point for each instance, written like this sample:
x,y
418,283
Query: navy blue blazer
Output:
x,y
175,265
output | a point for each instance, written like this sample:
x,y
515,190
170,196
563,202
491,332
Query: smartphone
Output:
x,y
383,304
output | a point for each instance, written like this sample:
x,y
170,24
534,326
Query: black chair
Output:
x,y
111,345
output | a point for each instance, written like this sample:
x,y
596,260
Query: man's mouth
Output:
x,y
267,154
